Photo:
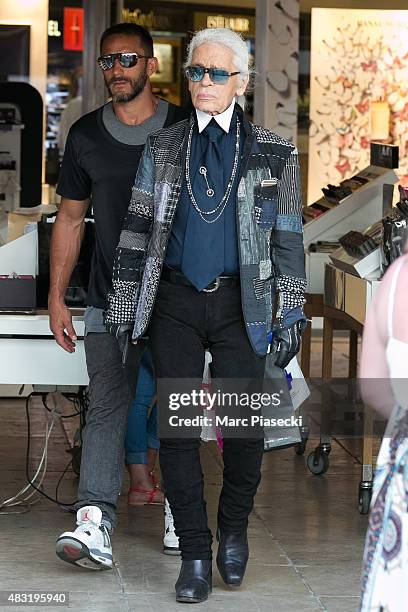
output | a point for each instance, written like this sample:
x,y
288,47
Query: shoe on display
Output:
x,y
89,545
170,540
335,193
194,583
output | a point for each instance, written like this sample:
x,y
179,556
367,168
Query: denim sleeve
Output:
x,y
290,316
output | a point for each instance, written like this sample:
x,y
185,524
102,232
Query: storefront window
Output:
x,y
171,25
64,80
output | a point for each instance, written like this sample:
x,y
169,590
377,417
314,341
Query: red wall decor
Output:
x,y
73,29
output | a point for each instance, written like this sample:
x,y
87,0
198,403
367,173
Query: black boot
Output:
x,y
194,583
232,557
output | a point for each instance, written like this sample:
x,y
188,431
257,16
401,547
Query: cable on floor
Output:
x,y
35,482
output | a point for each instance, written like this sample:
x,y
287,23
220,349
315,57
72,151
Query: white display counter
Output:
x,y
29,354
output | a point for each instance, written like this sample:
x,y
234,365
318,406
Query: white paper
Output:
x,y
300,390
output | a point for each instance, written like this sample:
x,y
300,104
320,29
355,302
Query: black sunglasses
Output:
x,y
217,75
126,60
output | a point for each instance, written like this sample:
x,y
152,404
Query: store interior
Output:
x,y
351,81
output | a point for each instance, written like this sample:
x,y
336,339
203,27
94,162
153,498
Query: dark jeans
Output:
x,y
111,389
184,323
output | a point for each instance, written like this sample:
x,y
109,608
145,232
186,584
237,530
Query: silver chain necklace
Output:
x,y
225,198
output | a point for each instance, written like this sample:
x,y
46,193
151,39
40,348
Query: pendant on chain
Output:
x,y
219,209
203,171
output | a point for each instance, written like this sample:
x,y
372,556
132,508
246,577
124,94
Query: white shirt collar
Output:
x,y
223,119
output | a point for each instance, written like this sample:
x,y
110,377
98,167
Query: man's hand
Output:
x,y
61,325
286,342
66,240
122,333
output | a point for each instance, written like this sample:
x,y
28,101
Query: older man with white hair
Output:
x,y
213,233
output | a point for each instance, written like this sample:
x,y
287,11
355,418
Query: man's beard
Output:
x,y
137,86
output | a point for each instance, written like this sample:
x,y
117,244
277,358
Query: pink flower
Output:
x,y
403,114
343,165
344,141
363,107
370,66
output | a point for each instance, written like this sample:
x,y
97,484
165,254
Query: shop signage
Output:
x,y
238,24
53,28
148,20
73,29
244,24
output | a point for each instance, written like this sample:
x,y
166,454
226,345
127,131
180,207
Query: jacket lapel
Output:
x,y
183,148
178,163
250,142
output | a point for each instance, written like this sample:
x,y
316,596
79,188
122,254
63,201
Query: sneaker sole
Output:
x,y
75,552
169,550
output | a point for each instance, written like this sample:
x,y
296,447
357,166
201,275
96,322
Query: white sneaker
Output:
x,y
170,540
89,545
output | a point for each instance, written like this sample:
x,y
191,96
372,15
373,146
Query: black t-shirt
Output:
x,y
97,165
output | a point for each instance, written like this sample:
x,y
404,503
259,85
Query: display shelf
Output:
x,y
363,207
355,212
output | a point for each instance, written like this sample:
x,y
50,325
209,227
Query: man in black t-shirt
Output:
x,y
101,157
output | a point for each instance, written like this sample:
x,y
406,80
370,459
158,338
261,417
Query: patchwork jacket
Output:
x,y
269,228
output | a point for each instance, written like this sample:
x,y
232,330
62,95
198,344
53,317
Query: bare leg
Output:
x,y
151,459
141,486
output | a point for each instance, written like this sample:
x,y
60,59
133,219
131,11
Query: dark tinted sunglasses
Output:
x,y
217,75
126,60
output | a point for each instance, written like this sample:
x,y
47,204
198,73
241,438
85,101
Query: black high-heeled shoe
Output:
x,y
194,583
232,557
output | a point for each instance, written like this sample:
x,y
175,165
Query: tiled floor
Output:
x,y
306,535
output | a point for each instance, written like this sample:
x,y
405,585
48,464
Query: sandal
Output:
x,y
145,497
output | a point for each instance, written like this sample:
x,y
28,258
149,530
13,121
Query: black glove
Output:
x,y
123,334
286,342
